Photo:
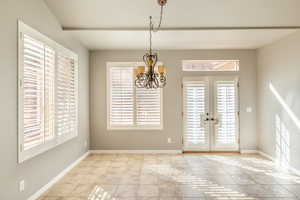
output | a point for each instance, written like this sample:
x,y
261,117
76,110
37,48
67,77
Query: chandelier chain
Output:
x,y
160,19
154,30
150,32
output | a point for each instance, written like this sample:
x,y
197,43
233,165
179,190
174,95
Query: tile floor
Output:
x,y
174,177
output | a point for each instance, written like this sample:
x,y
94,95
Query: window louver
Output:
x,y
195,105
226,111
131,107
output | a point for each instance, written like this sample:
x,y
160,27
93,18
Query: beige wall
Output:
x,y
279,65
41,169
101,138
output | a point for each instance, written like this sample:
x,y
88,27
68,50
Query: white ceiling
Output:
x,y
178,13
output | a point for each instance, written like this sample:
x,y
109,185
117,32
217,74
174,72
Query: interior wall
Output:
x,y
39,170
102,139
278,100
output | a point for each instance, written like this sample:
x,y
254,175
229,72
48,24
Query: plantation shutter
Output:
x,y
148,108
49,93
66,95
195,109
129,106
121,96
226,131
33,92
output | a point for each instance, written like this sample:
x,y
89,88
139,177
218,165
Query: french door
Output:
x,y
211,114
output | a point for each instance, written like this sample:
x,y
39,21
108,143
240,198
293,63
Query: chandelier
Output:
x,y
151,76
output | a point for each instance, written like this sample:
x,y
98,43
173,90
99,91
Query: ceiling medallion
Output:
x,y
151,76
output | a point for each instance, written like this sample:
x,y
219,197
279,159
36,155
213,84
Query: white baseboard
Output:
x,y
266,156
137,151
57,178
292,169
248,151
295,171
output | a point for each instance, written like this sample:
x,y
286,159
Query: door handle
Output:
x,y
216,120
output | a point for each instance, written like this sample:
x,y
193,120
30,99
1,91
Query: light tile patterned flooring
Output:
x,y
174,177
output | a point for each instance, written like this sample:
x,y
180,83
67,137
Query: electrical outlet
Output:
x,y
169,140
249,109
22,185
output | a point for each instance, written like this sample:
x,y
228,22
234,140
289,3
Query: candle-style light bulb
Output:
x,y
162,69
140,69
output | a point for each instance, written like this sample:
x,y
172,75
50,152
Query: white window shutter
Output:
x,y
49,93
131,107
33,92
148,107
226,112
66,95
121,96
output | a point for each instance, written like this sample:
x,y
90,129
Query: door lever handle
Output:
x,y
216,120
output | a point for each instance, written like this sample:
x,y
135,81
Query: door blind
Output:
x,y
131,107
33,92
195,103
226,112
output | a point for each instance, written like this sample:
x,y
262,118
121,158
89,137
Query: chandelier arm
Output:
x,y
163,81
148,81
156,81
155,56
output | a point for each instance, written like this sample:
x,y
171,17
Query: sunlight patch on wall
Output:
x,y
285,106
282,143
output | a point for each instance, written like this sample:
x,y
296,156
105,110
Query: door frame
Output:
x,y
212,108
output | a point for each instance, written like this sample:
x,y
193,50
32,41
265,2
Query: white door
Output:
x,y
196,108
210,114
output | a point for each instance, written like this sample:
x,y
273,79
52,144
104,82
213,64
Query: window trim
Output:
x,y
24,155
108,103
211,71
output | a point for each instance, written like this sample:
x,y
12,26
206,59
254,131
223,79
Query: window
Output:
x,y
210,65
47,93
130,107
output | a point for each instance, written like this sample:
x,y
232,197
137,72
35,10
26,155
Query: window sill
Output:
x,y
37,150
135,128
